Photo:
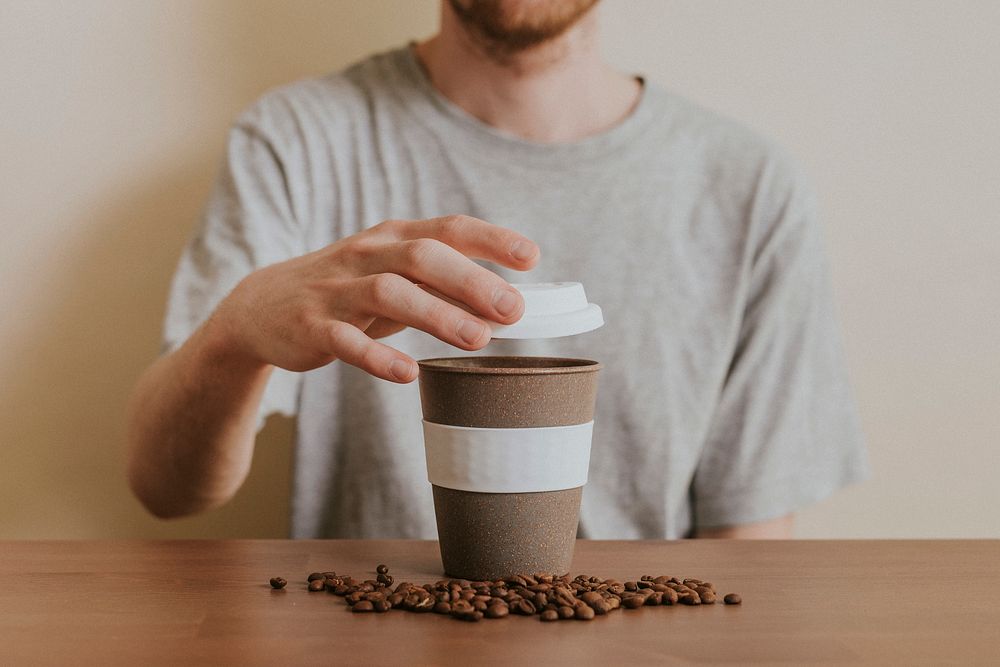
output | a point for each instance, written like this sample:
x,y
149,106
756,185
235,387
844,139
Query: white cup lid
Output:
x,y
552,310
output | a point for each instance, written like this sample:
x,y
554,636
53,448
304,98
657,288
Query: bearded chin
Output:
x,y
502,33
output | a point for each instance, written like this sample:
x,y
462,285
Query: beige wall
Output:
x,y
112,120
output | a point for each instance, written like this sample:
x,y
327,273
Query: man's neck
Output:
x,y
560,91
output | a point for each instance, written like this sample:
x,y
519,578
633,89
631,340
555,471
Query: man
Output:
x,y
723,405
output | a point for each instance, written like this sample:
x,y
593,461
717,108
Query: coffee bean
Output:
x,y
497,611
633,602
461,607
464,611
550,596
524,607
564,598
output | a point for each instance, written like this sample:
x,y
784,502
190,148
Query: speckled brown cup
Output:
x,y
493,535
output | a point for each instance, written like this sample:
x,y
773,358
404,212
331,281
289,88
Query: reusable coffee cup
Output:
x,y
507,441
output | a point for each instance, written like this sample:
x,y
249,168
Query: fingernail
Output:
x,y
400,369
505,301
470,331
523,250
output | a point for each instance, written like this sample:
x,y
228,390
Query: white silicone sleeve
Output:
x,y
507,460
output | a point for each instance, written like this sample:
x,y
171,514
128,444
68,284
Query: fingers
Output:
x,y
353,346
449,272
393,297
382,327
473,238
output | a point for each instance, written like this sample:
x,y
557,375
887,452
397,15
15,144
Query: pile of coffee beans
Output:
x,y
551,597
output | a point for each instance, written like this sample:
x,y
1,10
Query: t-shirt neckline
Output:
x,y
444,116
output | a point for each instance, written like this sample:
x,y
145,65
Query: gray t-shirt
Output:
x,y
723,398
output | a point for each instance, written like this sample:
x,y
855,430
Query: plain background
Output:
x,y
113,116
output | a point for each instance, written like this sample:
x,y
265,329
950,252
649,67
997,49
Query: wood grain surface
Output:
x,y
209,602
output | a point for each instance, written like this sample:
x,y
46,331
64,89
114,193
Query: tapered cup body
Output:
x,y
508,447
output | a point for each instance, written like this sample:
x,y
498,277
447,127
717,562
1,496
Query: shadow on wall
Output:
x,y
98,325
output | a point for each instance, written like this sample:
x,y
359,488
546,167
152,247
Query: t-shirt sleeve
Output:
x,y
248,223
785,432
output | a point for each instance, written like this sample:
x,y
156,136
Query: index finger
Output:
x,y
477,239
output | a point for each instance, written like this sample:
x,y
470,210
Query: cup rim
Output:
x,y
493,365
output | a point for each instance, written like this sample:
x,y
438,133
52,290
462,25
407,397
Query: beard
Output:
x,y
506,27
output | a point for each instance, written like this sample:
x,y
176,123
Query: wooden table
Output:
x,y
208,602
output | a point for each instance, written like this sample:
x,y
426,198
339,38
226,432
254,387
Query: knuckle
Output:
x,y
389,227
371,358
334,333
357,248
462,219
385,287
477,290
438,315
419,251
452,225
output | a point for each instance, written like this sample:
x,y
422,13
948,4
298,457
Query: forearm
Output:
x,y
191,425
192,419
782,528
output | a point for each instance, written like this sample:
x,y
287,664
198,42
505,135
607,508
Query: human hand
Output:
x,y
335,302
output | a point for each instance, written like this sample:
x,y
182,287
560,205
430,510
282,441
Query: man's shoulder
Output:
x,y
329,103
724,147
713,132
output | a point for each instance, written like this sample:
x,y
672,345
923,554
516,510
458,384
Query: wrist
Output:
x,y
221,347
